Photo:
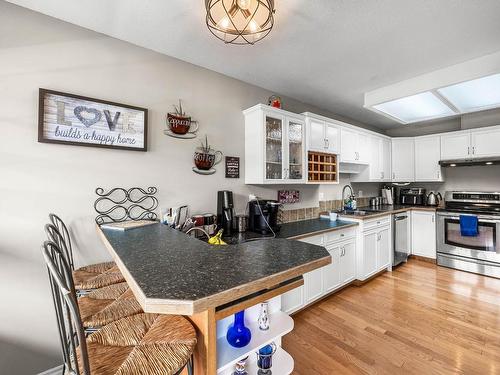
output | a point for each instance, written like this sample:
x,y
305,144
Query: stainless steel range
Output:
x,y
479,252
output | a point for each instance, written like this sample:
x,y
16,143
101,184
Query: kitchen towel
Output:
x,y
468,226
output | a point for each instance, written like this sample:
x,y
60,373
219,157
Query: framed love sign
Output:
x,y
78,120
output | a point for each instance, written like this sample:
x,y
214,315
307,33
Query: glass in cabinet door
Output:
x,y
274,148
295,150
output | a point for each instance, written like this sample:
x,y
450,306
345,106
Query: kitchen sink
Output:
x,y
363,212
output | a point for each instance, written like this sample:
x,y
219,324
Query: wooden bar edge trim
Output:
x,y
257,285
221,314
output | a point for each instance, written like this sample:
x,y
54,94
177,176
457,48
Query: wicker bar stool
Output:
x,y
88,277
99,306
149,344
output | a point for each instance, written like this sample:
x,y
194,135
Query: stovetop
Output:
x,y
472,202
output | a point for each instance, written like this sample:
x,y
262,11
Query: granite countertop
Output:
x,y
294,230
171,272
304,228
373,212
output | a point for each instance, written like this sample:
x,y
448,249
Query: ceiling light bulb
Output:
x,y
253,26
224,23
244,4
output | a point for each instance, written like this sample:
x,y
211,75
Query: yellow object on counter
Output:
x,y
217,239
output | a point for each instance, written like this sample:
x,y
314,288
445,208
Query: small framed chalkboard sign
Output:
x,y
232,167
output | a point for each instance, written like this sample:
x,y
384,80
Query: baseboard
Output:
x,y
53,371
423,259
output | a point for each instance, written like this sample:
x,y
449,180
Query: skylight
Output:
x,y
475,95
420,107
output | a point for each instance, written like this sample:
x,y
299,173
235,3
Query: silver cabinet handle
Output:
x,y
473,150
342,234
468,150
327,143
393,175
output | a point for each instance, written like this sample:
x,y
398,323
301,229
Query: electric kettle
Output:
x,y
432,199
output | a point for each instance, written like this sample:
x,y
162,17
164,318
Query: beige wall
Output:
x,y
37,51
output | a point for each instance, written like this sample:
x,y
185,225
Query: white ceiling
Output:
x,y
323,52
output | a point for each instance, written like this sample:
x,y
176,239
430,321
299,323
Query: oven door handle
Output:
x,y
483,219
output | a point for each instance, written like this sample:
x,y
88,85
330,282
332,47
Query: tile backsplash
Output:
x,y
299,214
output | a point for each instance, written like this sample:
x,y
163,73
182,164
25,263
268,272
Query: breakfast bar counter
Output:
x,y
170,272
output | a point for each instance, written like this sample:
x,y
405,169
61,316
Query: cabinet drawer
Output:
x,y
339,235
314,240
377,222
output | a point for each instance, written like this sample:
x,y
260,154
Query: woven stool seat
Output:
x,y
142,344
86,278
96,312
108,292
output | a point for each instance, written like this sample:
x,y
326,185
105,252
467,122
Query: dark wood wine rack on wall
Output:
x,y
322,168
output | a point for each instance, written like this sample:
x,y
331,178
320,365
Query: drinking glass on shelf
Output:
x,y
265,359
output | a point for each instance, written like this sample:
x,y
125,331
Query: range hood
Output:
x,y
469,162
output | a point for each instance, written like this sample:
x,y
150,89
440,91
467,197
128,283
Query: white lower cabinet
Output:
x,y
331,273
293,300
347,261
342,247
423,239
313,285
384,248
374,246
356,254
369,253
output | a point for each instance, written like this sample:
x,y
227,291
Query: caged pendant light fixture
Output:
x,y
240,21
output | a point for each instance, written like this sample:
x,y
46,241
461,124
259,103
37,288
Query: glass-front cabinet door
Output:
x,y
274,147
295,138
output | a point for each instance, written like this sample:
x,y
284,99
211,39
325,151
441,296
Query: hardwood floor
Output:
x,y
419,319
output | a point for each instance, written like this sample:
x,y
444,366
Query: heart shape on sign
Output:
x,y
83,114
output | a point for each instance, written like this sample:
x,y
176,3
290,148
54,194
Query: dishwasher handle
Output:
x,y
398,218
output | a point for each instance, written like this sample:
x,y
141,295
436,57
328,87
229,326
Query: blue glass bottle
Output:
x,y
238,335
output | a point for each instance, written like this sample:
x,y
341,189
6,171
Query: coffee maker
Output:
x,y
225,211
263,214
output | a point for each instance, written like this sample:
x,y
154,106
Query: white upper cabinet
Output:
x,y
355,146
363,147
379,161
485,143
455,146
385,156
322,136
427,156
274,146
471,144
316,135
332,138
403,160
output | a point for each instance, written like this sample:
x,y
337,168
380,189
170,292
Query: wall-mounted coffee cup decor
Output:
x,y
205,158
180,125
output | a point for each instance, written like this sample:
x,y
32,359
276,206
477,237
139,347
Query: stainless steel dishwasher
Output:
x,y
400,238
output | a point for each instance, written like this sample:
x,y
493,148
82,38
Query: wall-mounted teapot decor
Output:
x,y
180,125
205,158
